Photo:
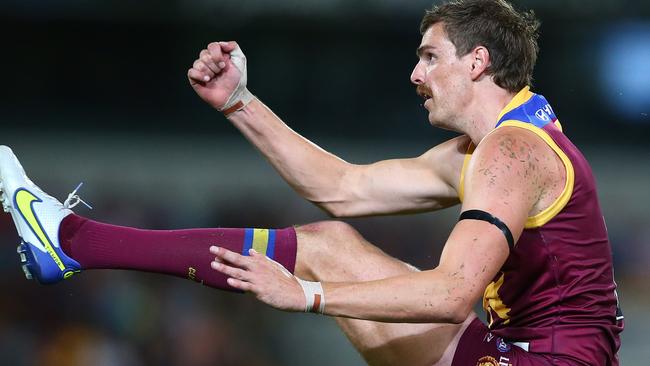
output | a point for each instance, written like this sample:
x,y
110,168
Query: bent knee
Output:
x,y
335,251
325,244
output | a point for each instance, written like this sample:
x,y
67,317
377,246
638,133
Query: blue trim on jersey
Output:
x,y
248,241
536,111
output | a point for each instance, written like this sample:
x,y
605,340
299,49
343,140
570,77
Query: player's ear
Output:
x,y
480,58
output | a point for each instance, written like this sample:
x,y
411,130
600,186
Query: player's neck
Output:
x,y
484,110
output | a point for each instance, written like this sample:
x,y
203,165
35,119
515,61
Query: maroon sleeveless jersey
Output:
x,y
556,294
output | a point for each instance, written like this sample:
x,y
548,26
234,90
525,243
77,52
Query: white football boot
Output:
x,y
38,217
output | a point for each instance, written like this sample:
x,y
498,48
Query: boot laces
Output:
x,y
74,199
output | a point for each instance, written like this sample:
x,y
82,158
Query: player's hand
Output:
x,y
271,283
219,75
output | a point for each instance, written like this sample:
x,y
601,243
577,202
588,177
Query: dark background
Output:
x,y
97,92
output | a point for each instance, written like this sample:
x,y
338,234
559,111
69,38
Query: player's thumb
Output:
x,y
228,46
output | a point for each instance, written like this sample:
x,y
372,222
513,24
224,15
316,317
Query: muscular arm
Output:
x,y
506,177
344,189
405,185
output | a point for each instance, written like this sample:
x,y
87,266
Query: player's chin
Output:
x,y
428,105
436,121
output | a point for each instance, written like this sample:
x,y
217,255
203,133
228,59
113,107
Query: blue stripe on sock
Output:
x,y
270,249
248,241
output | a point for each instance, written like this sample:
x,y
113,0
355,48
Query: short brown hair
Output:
x,y
509,36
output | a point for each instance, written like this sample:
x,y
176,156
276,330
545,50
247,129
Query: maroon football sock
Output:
x,y
182,253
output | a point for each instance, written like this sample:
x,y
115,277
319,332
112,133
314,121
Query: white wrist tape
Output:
x,y
314,296
240,96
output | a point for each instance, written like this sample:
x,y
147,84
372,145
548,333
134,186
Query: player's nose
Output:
x,y
417,76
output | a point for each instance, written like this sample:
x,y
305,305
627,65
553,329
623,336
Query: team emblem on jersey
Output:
x,y
502,346
487,361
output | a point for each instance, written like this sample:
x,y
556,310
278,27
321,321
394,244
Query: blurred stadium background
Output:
x,y
96,92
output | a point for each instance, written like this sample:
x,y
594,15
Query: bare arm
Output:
x,y
345,189
504,179
342,189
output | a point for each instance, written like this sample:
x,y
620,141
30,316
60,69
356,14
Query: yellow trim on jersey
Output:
x,y
522,97
557,206
468,155
492,301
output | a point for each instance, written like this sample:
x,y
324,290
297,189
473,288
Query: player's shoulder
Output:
x,y
519,155
512,143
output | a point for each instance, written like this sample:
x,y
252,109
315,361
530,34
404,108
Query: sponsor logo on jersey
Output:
x,y
544,113
502,346
541,114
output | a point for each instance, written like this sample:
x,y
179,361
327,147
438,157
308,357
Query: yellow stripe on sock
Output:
x,y
260,240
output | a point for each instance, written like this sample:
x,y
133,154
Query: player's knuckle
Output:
x,y
214,50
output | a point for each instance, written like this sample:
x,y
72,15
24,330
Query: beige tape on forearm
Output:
x,y
314,296
240,97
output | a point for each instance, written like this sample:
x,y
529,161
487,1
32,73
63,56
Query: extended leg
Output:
x,y
181,253
56,243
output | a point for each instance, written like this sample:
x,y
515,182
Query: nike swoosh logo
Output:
x,y
24,200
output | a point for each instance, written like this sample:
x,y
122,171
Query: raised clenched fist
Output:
x,y
219,76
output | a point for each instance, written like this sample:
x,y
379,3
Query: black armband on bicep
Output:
x,y
484,216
